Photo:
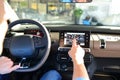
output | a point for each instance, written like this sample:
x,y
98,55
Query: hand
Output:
x,y
76,53
6,65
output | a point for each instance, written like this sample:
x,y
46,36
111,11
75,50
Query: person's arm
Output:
x,y
3,24
3,30
6,64
6,13
77,54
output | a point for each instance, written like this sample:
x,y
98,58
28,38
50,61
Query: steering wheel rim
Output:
x,y
48,46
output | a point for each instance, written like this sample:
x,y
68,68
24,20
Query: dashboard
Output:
x,y
99,44
103,45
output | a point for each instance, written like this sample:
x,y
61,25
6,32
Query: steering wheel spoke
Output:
x,y
39,42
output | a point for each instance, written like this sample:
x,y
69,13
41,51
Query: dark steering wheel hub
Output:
x,y
22,46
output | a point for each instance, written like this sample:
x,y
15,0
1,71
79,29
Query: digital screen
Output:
x,y
80,37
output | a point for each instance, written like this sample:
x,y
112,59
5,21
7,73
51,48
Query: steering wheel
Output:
x,y
28,50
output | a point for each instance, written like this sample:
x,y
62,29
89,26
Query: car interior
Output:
x,y
40,45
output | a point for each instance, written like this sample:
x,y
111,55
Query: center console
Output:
x,y
65,43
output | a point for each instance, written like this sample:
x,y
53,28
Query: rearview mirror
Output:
x,y
75,1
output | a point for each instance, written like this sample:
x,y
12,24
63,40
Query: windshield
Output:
x,y
97,12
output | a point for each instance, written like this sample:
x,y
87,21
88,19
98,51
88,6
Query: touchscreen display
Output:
x,y
80,37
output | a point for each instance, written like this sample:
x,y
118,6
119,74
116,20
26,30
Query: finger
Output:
x,y
74,42
14,68
69,52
